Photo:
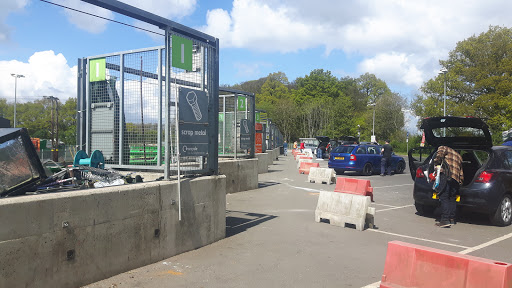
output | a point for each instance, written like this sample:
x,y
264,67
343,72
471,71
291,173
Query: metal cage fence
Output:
x,y
122,111
236,135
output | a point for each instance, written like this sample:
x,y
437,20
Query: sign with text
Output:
x,y
257,117
193,124
193,139
245,134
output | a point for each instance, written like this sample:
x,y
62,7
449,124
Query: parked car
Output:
x,y
362,158
487,186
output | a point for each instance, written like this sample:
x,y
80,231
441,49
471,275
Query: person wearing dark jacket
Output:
x,y
454,178
385,162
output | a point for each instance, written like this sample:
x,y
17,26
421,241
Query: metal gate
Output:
x,y
236,124
122,107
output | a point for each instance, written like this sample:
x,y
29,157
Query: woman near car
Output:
x,y
455,178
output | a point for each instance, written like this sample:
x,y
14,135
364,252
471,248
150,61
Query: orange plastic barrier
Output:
x,y
354,186
298,155
409,265
305,157
305,166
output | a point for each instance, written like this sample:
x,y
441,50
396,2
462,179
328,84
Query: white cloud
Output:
x,y
173,9
83,21
393,68
415,33
46,74
7,7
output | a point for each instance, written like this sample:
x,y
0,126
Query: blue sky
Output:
x,y
399,41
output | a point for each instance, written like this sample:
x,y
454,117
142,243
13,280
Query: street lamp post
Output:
x,y
55,128
16,76
373,139
444,71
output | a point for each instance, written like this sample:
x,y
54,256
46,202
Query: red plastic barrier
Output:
x,y
305,166
305,157
299,154
354,186
409,265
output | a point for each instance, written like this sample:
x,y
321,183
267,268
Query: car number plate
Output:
x,y
434,196
339,158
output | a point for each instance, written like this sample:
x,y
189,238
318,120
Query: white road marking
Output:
x,y
306,189
419,239
384,205
486,244
393,186
394,208
373,285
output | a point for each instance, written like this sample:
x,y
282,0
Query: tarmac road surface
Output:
x,y
273,240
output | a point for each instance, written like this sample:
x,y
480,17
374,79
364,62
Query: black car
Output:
x,y
487,186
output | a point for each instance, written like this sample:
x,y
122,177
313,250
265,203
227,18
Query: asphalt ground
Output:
x,y
272,239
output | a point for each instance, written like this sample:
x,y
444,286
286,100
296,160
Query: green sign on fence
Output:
x,y
97,70
181,53
221,117
258,117
241,103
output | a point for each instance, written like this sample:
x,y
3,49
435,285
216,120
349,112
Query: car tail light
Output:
x,y
419,173
353,157
484,177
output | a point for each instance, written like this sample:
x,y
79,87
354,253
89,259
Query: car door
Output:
x,y
417,157
361,156
374,156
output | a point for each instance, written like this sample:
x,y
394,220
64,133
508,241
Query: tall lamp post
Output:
x,y
444,71
373,139
16,76
55,128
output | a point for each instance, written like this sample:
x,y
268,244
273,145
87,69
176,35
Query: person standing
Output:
x,y
295,145
385,161
285,146
454,178
302,146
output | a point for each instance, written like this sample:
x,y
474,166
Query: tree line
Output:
x,y
320,104
36,116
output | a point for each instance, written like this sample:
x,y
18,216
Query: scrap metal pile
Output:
x,y
21,171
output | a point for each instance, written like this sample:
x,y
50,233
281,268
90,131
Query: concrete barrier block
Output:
x,y
262,162
322,175
341,208
304,161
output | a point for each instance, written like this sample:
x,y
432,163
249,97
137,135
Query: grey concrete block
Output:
x,y
321,175
342,208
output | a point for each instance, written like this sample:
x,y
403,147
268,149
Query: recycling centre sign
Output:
x,y
193,122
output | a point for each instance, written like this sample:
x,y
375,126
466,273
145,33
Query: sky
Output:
x,y
399,41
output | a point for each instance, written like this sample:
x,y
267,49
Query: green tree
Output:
x,y
479,81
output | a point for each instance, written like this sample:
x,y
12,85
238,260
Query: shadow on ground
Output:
x,y
239,221
264,184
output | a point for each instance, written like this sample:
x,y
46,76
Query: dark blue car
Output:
x,y
364,159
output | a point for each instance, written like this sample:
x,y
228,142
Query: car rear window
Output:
x,y
458,132
343,149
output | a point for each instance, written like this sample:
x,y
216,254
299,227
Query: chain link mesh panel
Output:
x,y
125,102
233,108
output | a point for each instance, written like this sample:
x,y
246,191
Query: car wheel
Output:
x,y
339,172
400,167
368,169
424,210
503,215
